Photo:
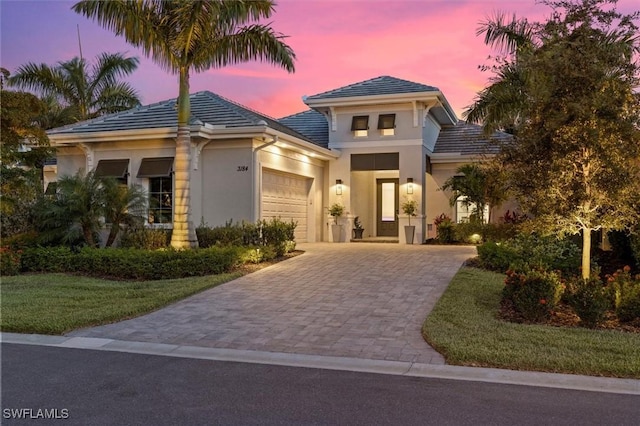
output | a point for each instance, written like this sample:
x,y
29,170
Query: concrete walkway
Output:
x,y
363,301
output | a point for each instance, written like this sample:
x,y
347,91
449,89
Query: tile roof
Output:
x,y
311,124
468,139
206,107
383,85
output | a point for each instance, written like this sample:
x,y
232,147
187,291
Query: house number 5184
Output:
x,y
243,168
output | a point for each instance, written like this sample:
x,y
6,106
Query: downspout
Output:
x,y
255,195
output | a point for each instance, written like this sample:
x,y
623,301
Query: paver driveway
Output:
x,y
348,300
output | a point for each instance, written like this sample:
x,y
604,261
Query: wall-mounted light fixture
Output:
x,y
409,185
338,186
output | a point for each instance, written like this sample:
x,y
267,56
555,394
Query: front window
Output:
x,y
160,200
360,125
387,124
466,211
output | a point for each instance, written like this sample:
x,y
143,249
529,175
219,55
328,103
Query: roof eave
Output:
x,y
456,157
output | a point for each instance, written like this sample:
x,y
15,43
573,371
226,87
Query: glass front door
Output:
x,y
387,207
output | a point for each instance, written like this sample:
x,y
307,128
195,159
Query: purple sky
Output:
x,y
337,42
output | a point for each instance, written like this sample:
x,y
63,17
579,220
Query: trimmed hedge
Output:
x,y
132,263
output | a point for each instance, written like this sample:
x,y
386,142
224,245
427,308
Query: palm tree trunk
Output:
x,y
113,233
183,235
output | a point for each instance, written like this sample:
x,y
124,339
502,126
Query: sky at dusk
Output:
x,y
337,42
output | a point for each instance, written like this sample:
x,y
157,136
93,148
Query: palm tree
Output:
x,y
84,91
480,185
75,212
191,35
124,205
499,106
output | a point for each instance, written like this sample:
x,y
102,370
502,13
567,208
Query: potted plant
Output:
x,y
336,210
410,208
357,228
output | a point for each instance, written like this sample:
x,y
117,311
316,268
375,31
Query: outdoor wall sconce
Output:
x,y
338,186
409,185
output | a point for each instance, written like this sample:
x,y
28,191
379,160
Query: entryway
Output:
x,y
387,207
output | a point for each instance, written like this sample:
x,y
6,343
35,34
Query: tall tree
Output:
x,y
83,90
23,148
575,160
192,35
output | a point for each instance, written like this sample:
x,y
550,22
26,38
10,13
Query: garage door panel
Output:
x,y
285,196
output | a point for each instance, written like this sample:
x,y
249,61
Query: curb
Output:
x,y
398,368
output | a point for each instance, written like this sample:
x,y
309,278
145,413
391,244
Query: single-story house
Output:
x,y
369,146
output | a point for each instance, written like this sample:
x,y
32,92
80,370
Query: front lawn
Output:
x,y
57,303
465,329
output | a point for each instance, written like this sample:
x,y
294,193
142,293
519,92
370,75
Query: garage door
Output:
x,y
285,196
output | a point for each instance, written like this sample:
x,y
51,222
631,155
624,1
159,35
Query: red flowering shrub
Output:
x,y
533,293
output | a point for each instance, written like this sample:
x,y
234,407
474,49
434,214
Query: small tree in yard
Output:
x,y
574,163
481,184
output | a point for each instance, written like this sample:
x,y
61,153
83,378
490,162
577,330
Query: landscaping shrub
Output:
x,y
10,261
532,293
590,299
626,294
132,263
257,254
49,259
530,250
227,235
445,228
495,256
21,241
469,232
273,232
146,238
277,233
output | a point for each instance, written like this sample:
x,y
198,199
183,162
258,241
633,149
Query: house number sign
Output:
x,y
243,168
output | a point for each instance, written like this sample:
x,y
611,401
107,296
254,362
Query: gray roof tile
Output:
x,y
311,124
468,139
206,107
383,85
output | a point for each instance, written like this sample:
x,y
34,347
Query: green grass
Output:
x,y
464,327
57,303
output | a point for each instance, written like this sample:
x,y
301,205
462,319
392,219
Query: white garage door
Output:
x,y
285,196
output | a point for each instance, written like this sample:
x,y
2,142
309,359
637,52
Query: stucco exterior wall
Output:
x,y
225,184
404,129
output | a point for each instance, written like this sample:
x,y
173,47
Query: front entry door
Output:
x,y
387,207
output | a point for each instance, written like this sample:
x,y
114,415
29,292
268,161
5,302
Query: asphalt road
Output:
x,y
85,387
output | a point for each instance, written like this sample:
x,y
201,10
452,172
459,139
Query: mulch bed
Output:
x,y
564,316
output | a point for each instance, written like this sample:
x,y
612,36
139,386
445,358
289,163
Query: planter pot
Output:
x,y
357,234
409,232
336,233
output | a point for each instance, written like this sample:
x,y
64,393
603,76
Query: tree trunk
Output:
x,y
586,253
183,235
113,233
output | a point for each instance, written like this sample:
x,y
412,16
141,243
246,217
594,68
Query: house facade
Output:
x,y
369,146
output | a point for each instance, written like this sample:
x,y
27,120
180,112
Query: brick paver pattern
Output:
x,y
348,300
